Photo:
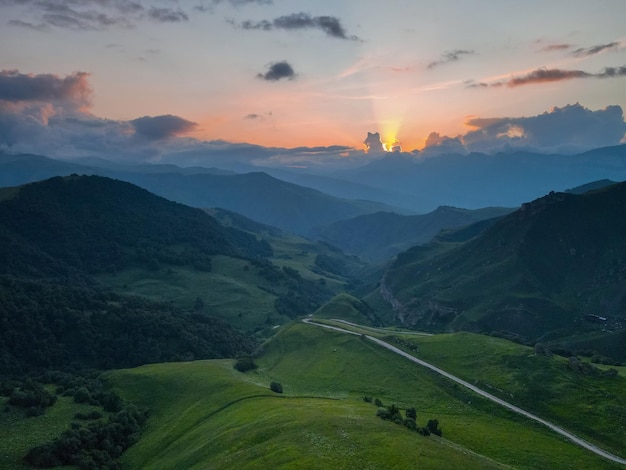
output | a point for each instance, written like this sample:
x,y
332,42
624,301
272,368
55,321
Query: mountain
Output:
x,y
96,272
59,235
345,189
93,224
590,186
381,235
551,271
506,179
256,195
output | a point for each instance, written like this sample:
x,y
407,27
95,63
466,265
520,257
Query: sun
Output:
x,y
389,135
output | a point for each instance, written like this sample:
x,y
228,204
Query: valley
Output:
x,y
471,318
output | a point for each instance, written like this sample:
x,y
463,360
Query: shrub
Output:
x,y
276,387
82,395
433,427
245,363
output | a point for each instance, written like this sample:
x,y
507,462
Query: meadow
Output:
x,y
207,413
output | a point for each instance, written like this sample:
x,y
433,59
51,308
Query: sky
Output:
x,y
300,82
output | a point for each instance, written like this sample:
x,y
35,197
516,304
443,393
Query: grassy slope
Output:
x,y
206,412
593,407
230,290
19,434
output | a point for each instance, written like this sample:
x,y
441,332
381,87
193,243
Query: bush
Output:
x,y
82,395
276,387
433,427
410,424
244,364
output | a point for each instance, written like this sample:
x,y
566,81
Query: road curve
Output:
x,y
573,438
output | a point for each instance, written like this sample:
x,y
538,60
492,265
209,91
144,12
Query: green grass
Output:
x,y
593,407
207,415
233,290
228,291
18,434
342,306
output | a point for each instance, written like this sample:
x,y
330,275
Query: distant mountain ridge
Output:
x,y
480,180
257,196
537,273
381,235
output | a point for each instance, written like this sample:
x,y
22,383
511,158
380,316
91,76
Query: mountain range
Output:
x,y
552,271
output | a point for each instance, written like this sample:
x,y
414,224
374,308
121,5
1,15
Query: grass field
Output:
x,y
592,406
18,434
207,415
228,291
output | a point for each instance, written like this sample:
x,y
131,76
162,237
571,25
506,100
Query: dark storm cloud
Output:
x,y
450,56
593,50
328,24
277,71
89,15
569,129
161,127
19,87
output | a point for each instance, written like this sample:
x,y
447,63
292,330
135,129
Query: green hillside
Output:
x,y
543,273
207,413
381,235
100,273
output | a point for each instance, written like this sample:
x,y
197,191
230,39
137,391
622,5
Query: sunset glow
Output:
x,y
279,79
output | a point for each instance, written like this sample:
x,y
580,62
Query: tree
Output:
x,y
245,363
433,427
411,413
276,387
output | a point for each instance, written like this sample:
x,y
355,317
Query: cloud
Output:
x,y
73,90
258,117
161,127
88,15
556,47
167,15
450,56
570,129
544,75
611,72
27,25
437,144
328,24
277,71
593,50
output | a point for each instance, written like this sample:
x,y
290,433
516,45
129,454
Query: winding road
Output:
x,y
573,438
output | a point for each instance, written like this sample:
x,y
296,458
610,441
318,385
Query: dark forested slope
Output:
x,y
543,272
56,234
93,224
